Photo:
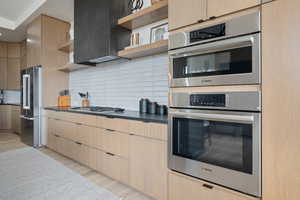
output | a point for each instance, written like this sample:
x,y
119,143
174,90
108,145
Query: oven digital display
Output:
x,y
208,33
208,100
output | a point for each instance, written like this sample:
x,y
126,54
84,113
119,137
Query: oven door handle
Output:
x,y
217,117
216,46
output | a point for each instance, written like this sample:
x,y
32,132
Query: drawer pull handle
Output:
x,y
110,154
200,21
56,135
110,130
78,143
110,117
208,186
79,124
212,17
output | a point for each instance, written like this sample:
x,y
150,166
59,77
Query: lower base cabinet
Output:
x,y
148,166
184,187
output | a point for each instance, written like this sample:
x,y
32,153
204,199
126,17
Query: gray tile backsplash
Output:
x,y
11,97
123,83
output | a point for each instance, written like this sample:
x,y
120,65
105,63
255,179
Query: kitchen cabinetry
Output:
x,y
3,50
44,35
5,117
133,155
13,73
3,73
184,13
13,50
183,187
148,166
216,8
280,100
15,119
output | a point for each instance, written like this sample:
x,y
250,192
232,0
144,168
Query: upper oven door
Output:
x,y
219,146
232,61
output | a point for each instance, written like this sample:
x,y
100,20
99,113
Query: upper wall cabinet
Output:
x,y
183,13
188,12
216,8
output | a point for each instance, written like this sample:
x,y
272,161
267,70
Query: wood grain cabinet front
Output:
x,y
115,167
184,13
184,187
216,8
148,166
115,142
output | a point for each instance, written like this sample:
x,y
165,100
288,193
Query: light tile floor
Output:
x,y
10,141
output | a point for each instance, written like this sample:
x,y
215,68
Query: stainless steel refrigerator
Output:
x,y
31,101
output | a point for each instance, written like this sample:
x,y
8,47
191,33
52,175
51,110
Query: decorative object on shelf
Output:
x,y
155,1
159,33
135,5
135,39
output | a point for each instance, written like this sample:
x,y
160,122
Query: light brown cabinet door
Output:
x,y
3,50
3,73
13,73
115,143
187,12
115,167
184,187
15,119
34,43
13,50
216,8
148,166
280,100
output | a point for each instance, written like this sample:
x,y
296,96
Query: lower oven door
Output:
x,y
222,147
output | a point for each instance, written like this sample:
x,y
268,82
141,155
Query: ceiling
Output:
x,y
15,15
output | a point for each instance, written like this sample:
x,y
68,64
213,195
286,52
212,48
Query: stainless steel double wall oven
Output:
x,y
216,136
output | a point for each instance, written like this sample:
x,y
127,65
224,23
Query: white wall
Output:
x,y
122,84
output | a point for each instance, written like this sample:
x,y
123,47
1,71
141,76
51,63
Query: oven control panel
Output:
x,y
207,33
208,100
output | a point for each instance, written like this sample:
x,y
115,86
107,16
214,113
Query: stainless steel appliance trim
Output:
x,y
246,101
230,79
241,25
37,105
247,183
28,118
26,92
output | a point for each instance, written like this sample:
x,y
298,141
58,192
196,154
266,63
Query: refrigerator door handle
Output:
x,y
27,118
26,92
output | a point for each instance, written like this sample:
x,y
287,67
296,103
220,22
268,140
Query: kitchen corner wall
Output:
x,y
123,83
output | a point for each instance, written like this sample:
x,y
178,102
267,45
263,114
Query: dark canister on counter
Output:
x,y
152,106
162,110
144,105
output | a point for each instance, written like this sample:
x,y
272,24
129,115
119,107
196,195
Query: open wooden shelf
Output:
x,y
70,67
156,12
67,47
145,50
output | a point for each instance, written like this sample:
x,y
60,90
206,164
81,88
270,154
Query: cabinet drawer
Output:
x,y
115,167
183,187
115,142
88,135
116,124
95,159
65,129
151,130
89,120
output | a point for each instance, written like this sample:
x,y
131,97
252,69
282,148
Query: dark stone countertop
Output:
x,y
9,104
127,114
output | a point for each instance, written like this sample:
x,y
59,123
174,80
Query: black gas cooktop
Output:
x,y
98,109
